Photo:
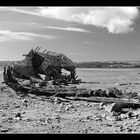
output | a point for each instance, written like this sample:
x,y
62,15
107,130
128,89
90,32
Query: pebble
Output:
x,y
89,117
17,106
118,118
24,101
137,124
122,128
123,116
118,125
136,113
109,107
4,130
4,114
18,115
98,119
49,120
110,118
108,124
103,115
129,130
26,119
68,107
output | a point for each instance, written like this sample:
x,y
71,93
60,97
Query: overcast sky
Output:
x,y
81,33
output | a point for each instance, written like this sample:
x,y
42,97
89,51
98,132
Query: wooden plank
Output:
x,y
105,99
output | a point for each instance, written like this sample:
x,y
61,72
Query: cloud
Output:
x,y
6,35
20,10
68,29
115,19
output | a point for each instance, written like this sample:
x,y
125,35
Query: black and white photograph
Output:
x,y
69,69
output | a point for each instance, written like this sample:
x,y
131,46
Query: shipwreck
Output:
x,y
49,64
25,77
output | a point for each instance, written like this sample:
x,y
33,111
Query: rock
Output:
x,y
103,115
23,112
130,114
110,118
10,120
4,114
60,107
102,105
136,113
68,107
137,124
18,115
4,130
129,129
109,107
49,120
118,125
108,124
122,128
98,119
124,116
25,101
56,116
17,118
117,84
118,118
26,119
42,120
17,106
89,118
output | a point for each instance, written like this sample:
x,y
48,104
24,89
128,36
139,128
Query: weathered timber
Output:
x,y
105,99
68,93
14,84
49,64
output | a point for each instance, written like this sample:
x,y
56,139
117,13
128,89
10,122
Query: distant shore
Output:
x,y
96,64
115,64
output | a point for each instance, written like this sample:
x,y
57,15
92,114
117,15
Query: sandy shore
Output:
x,y
32,114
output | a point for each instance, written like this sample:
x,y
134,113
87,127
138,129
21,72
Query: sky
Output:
x,y
81,33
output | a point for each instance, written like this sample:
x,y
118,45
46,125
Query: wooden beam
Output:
x,y
36,48
106,99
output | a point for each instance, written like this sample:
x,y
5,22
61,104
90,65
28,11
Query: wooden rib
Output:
x,y
44,51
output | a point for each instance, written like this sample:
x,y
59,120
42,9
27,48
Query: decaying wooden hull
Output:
x,y
72,93
49,64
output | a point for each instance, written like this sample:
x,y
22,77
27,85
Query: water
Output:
x,y
110,77
105,78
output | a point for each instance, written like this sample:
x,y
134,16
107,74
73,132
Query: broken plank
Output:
x,y
105,99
